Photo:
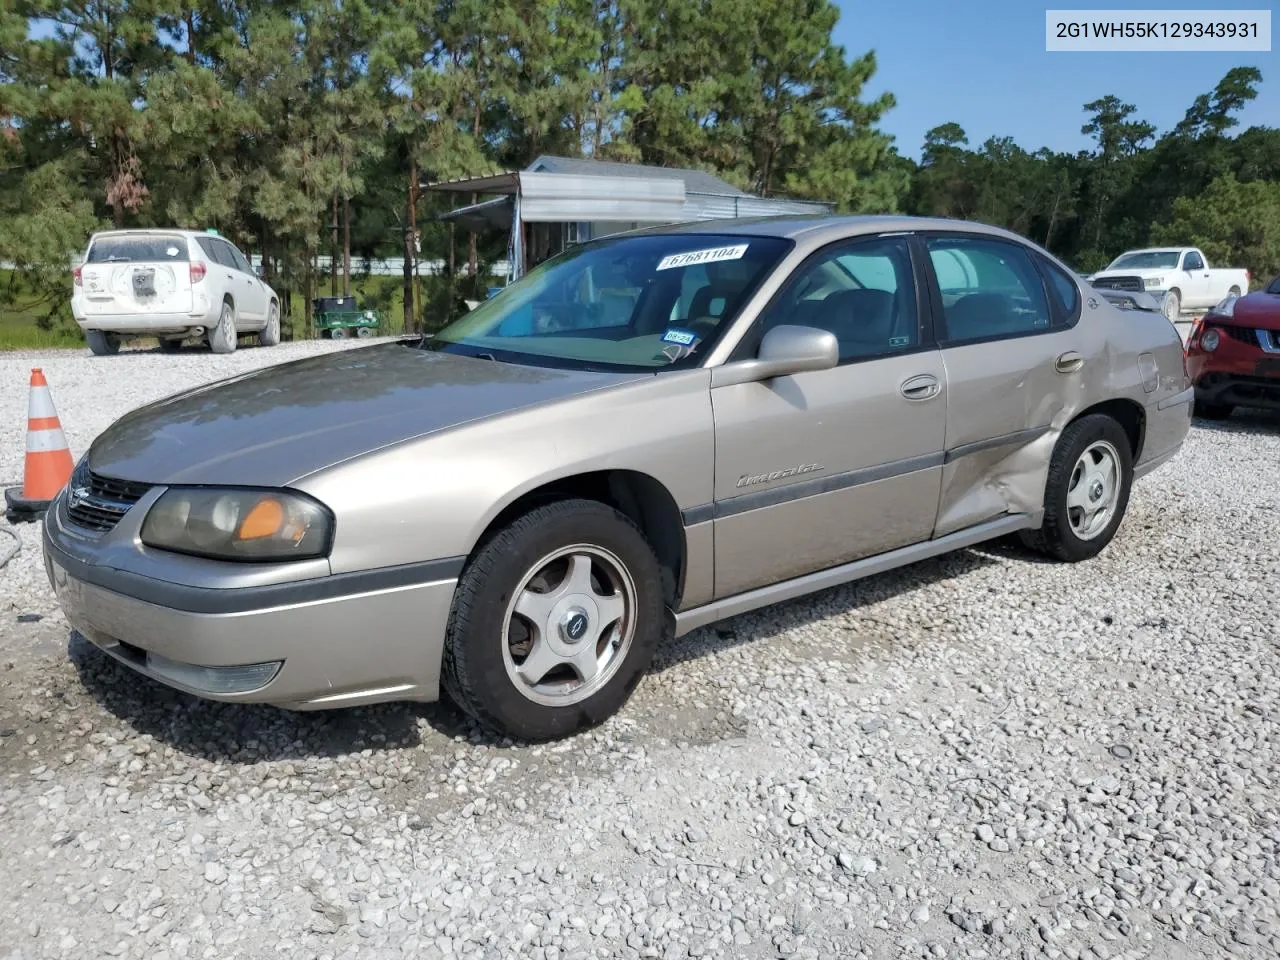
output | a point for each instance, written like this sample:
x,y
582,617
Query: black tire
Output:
x,y
1056,537
101,343
269,335
1213,411
474,672
1171,307
364,333
223,337
338,333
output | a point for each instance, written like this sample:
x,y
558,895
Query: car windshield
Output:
x,y
133,249
1274,286
1163,259
639,302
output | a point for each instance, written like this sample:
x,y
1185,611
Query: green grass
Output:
x,y
19,331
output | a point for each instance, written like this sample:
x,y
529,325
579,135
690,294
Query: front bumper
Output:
x,y
1239,390
1237,373
306,646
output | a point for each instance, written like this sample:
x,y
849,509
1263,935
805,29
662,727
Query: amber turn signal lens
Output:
x,y
264,520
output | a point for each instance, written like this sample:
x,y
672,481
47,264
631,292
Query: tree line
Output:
x,y
303,128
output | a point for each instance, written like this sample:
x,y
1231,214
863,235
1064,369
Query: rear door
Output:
x,y
255,294
222,270
1014,353
829,466
136,274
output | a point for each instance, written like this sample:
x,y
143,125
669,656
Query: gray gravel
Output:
x,y
980,756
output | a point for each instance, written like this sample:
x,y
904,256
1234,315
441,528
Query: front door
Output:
x,y
1196,277
822,468
1016,365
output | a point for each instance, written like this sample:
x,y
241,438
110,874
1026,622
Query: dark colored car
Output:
x,y
1233,354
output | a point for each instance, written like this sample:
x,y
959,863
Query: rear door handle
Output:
x,y
923,387
1069,362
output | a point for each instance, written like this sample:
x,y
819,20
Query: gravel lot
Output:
x,y
979,756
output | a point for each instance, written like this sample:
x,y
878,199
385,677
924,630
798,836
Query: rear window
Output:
x,y
134,249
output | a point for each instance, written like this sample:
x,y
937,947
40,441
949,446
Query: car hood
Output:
x,y
273,426
1260,310
1133,272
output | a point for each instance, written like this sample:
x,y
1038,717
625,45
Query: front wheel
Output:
x,y
101,343
1087,492
364,333
1172,306
555,620
337,333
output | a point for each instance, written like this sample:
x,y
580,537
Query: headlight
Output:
x,y
1226,307
238,524
1209,340
1153,283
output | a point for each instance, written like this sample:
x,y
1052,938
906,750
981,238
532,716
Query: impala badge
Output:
x,y
751,479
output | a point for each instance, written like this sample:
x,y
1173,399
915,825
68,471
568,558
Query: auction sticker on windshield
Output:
x,y
713,255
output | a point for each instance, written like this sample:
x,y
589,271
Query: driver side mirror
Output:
x,y
784,350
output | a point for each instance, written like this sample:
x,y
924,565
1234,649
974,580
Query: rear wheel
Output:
x,y
1087,490
101,343
222,338
1213,411
1172,305
337,333
555,620
1234,291
364,333
269,335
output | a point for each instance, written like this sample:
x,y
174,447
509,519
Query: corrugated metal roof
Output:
x,y
695,181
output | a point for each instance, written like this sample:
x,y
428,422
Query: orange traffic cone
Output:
x,y
48,466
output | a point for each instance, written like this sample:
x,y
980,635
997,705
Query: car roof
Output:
x,y
161,231
1158,250
824,226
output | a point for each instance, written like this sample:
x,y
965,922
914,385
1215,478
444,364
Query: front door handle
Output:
x,y
923,387
1069,362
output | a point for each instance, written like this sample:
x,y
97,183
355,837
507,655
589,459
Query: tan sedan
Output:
x,y
646,434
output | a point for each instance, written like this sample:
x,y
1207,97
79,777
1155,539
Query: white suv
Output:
x,y
170,284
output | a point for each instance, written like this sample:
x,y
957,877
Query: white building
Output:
x,y
558,201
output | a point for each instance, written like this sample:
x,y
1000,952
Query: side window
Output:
x,y
862,291
241,261
1193,261
227,255
221,252
990,288
1063,292
209,248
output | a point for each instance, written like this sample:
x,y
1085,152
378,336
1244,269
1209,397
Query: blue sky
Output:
x,y
983,64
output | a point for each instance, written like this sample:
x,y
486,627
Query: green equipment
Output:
x,y
337,318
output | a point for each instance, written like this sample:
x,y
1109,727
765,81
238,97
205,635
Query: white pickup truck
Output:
x,y
1179,278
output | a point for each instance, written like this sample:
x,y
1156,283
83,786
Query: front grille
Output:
x,y
1243,334
97,503
1130,284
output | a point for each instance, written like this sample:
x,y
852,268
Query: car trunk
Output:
x,y
137,275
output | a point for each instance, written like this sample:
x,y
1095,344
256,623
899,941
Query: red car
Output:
x,y
1233,354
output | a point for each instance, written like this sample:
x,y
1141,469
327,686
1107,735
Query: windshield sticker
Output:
x,y
171,251
899,341
684,338
714,255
